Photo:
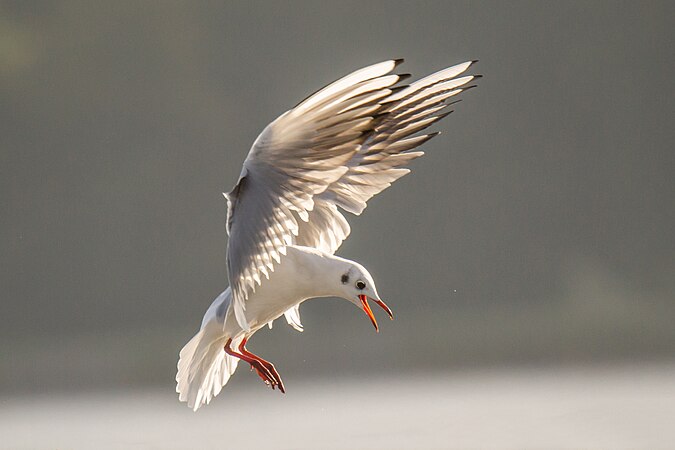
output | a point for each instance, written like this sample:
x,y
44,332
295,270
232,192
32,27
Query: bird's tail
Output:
x,y
204,367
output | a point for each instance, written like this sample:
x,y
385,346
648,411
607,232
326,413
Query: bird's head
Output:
x,y
357,286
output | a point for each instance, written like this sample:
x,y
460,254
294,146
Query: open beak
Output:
x,y
366,308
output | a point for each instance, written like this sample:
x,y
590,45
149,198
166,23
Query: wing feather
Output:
x,y
337,148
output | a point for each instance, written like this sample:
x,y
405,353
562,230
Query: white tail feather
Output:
x,y
204,367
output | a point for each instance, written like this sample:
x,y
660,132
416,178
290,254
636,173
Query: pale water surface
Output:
x,y
611,407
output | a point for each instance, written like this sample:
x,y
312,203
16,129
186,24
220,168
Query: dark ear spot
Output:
x,y
345,279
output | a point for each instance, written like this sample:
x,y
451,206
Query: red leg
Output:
x,y
260,368
268,365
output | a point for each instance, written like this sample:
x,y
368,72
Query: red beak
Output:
x,y
366,308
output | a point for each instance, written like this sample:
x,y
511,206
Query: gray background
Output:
x,y
538,230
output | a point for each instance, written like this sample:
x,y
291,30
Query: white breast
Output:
x,y
300,276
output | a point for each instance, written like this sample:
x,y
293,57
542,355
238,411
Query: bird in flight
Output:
x,y
333,151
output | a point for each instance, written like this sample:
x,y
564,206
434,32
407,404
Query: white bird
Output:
x,y
337,148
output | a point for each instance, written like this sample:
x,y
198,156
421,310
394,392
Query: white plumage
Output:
x,y
337,148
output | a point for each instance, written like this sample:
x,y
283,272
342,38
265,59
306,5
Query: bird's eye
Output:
x,y
345,279
360,285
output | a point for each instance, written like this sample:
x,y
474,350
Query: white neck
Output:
x,y
320,271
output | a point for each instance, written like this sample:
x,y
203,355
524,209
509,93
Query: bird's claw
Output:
x,y
265,369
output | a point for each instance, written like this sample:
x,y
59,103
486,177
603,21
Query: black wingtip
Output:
x,y
474,61
403,76
477,76
396,89
444,115
398,61
379,115
426,138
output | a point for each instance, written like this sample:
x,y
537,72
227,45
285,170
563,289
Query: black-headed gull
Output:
x,y
337,148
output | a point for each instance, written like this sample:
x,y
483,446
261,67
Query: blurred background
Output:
x,y
537,233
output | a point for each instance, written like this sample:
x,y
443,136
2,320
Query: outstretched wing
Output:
x,y
339,147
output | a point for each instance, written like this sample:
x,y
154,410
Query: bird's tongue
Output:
x,y
366,308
